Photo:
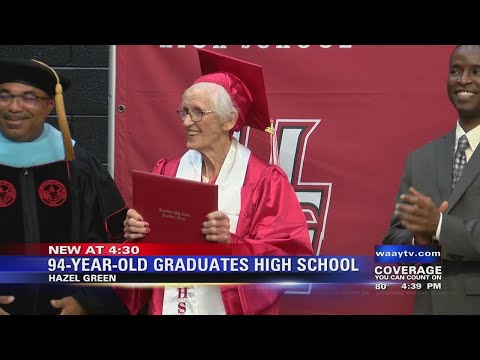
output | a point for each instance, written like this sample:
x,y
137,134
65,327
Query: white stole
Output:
x,y
205,299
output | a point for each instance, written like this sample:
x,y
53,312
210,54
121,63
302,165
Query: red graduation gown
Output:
x,y
271,222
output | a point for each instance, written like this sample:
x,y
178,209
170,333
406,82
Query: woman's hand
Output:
x,y
134,226
217,227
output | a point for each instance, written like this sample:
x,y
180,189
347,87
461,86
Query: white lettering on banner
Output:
x,y
314,197
259,46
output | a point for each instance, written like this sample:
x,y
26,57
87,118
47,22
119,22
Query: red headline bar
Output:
x,y
114,249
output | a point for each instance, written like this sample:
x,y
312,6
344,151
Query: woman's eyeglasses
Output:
x,y
195,115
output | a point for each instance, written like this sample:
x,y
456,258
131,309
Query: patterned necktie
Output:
x,y
459,159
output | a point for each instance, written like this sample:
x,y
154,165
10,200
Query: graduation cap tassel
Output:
x,y
61,116
273,143
63,124
276,160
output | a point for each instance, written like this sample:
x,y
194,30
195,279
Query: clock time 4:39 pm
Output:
x,y
411,286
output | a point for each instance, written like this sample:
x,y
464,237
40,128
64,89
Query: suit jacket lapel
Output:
x,y
444,165
470,172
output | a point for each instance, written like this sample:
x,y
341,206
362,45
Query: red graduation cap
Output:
x,y
244,83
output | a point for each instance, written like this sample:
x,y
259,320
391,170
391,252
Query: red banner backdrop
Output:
x,y
346,118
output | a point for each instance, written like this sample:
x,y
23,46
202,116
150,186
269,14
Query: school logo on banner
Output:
x,y
314,197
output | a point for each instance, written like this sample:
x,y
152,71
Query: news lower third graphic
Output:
x,y
115,264
414,267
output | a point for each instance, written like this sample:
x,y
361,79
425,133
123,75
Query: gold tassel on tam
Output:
x,y
273,143
61,116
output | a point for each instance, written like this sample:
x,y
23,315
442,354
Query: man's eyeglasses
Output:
x,y
24,99
195,115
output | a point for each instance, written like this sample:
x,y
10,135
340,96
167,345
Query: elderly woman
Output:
x,y
257,205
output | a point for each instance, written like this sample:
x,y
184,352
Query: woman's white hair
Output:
x,y
221,102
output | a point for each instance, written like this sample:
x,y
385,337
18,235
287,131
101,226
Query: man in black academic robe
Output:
x,y
51,190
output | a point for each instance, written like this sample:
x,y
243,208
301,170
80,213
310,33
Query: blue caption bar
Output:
x,y
188,264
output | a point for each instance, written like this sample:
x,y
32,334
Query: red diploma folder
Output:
x,y
175,208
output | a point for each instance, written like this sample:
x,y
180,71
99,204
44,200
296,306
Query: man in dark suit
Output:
x,y
439,196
